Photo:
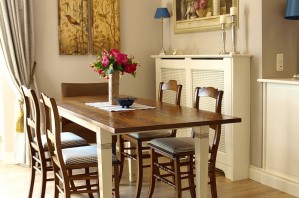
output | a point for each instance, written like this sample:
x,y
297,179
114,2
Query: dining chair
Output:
x,y
137,140
68,162
81,89
181,150
40,161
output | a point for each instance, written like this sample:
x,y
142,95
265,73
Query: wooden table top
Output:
x,y
164,116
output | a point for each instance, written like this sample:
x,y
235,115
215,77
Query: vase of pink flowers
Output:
x,y
111,65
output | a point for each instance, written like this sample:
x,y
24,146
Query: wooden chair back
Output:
x,y
171,85
213,149
83,89
53,131
32,118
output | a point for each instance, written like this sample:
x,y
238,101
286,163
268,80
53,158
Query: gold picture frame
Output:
x,y
200,15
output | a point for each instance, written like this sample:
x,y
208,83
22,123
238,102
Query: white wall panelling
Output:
x,y
280,136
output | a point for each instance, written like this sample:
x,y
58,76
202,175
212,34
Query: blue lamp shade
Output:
x,y
292,10
162,13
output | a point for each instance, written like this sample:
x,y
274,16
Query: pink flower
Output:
x,y
105,60
114,52
121,59
130,68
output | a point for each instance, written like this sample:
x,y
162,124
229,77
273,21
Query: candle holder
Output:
x,y
223,37
234,51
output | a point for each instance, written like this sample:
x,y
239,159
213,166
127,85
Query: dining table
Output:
x,y
159,115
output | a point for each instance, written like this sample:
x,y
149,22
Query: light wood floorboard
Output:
x,y
14,183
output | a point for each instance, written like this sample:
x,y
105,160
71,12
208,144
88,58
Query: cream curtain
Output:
x,y
17,44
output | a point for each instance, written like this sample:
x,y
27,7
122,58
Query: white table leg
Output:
x,y
104,149
201,160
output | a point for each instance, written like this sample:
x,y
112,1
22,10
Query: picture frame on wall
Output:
x,y
201,15
88,27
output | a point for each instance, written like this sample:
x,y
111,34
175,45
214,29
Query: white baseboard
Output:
x,y
285,185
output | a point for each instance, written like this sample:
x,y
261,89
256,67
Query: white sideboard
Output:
x,y
230,73
280,136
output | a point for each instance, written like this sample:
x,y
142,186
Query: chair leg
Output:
x,y
140,169
88,187
178,184
72,182
44,181
116,181
121,156
31,181
152,172
56,183
213,185
191,178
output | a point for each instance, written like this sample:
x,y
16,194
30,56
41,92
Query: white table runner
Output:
x,y
108,107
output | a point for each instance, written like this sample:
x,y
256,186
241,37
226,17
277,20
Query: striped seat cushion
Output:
x,y
151,134
80,155
83,154
68,140
174,145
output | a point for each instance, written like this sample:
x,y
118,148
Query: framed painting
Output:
x,y
105,28
201,15
88,26
73,27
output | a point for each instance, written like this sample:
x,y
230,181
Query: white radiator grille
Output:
x,y
174,74
210,78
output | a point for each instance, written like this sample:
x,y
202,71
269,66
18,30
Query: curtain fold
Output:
x,y
17,43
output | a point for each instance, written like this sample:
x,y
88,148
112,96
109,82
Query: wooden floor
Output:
x,y
14,183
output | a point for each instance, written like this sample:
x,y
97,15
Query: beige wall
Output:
x,y
263,32
139,37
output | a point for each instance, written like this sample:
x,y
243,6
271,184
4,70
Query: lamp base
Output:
x,y
223,52
162,52
234,52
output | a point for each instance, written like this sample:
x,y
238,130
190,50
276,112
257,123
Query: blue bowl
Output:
x,y
125,102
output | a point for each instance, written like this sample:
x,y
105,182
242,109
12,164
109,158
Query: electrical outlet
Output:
x,y
279,62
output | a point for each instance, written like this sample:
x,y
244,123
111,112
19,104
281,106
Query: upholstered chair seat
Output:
x,y
68,140
150,134
174,145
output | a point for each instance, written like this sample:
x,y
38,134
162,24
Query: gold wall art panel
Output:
x,y
105,28
88,26
73,27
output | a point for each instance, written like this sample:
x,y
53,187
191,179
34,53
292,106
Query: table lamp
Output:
x,y
162,13
292,10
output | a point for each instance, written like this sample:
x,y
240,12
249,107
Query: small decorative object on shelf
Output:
x,y
223,33
111,65
125,102
233,13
